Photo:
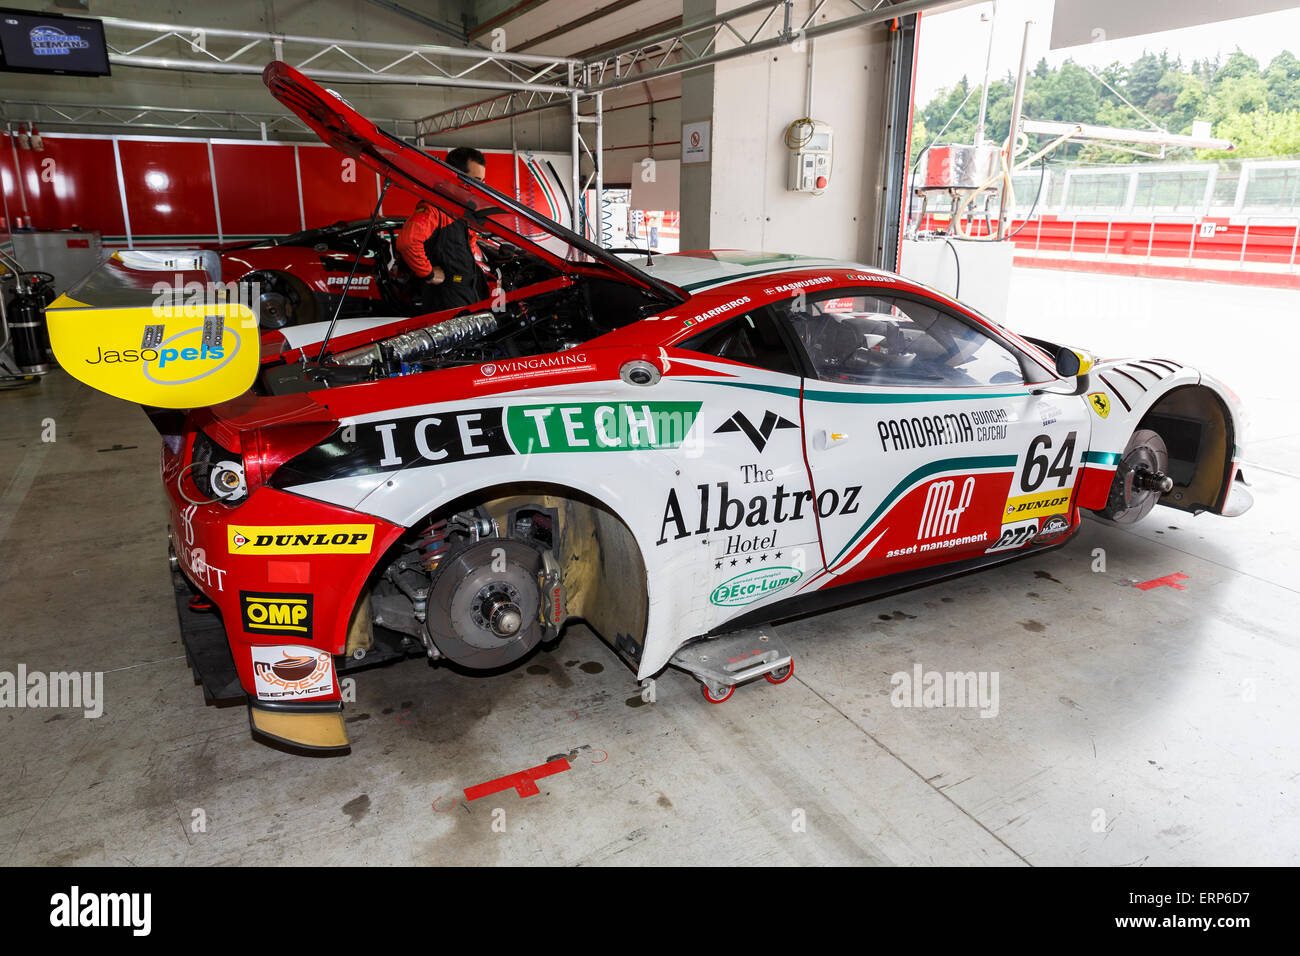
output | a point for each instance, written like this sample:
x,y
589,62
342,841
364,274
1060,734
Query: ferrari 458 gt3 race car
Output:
x,y
301,277
676,452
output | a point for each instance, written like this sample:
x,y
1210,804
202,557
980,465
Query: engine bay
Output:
x,y
552,320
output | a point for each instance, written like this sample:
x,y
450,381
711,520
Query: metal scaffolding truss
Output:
x,y
43,113
212,50
752,28
522,82
488,110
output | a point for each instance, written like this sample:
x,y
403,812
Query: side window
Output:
x,y
753,338
866,339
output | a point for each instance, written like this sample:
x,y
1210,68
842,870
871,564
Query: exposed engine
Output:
x,y
552,321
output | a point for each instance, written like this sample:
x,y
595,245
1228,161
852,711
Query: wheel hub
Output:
x,y
1140,478
273,310
496,608
485,603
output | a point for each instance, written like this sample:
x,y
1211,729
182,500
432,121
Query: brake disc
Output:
x,y
484,602
274,310
1140,478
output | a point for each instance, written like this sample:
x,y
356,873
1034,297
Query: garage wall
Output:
x,y
164,190
627,129
344,19
750,100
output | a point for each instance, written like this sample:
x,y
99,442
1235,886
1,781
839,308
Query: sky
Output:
x,y
955,43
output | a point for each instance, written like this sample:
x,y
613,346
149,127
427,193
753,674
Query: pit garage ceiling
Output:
x,y
532,26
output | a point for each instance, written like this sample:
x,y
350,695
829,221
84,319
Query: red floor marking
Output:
x,y
1168,581
523,781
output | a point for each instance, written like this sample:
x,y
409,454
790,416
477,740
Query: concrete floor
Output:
x,y
1135,727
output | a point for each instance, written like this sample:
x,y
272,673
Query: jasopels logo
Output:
x,y
753,586
183,357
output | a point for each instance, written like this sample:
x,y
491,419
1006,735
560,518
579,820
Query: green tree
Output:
x,y
1283,81
1143,78
1255,109
1235,95
1259,133
1181,99
1239,65
920,137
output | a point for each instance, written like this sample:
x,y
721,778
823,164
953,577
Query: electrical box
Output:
x,y
810,155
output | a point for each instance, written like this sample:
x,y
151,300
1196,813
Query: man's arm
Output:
x,y
411,238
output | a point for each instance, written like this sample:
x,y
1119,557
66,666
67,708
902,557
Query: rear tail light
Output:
x,y
266,449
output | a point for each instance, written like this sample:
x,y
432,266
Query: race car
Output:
x,y
678,452
304,277
301,277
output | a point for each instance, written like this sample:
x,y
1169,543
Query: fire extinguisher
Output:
x,y
31,336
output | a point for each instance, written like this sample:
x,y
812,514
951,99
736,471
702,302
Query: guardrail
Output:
x,y
1246,240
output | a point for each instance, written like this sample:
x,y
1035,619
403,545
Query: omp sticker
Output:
x,y
287,671
300,539
753,586
283,614
1038,505
109,350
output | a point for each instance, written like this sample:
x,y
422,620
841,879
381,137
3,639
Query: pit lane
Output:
x,y
1133,726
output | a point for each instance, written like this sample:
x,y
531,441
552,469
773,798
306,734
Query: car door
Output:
x,y
743,503
925,442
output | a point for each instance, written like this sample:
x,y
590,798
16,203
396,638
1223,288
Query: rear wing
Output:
x,y
158,328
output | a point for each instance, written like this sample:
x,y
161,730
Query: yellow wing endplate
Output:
x,y
171,357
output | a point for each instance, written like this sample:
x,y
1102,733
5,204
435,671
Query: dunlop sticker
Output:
x,y
267,539
1038,505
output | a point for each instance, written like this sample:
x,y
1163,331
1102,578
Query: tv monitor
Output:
x,y
52,43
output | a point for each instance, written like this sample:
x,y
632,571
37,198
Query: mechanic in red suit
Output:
x,y
442,252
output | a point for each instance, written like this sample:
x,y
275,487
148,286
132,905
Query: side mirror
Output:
x,y
1067,363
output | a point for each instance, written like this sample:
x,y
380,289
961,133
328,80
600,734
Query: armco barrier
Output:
x,y
1258,249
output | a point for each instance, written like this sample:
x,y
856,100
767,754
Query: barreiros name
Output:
x,y
719,309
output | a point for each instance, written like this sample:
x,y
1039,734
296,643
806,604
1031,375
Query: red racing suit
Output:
x,y
432,238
